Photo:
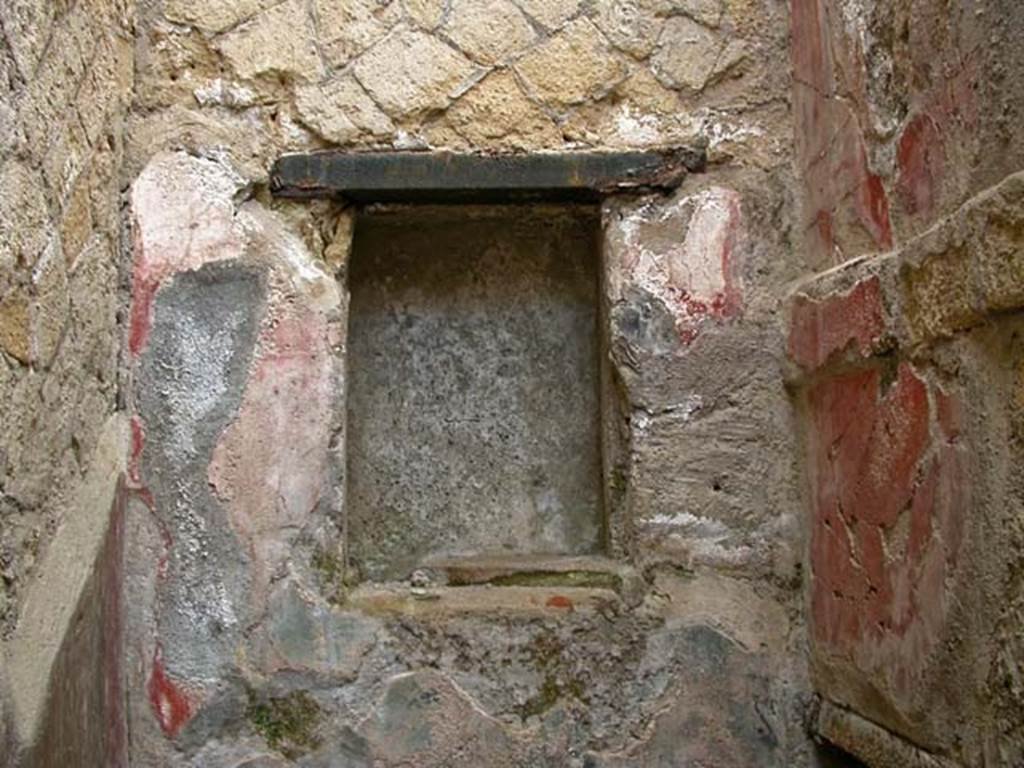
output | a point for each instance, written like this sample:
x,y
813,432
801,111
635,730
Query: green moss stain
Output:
x,y
287,723
334,578
547,652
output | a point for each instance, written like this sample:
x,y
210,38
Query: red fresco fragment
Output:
x,y
138,442
920,160
872,205
144,290
559,601
875,463
170,704
820,328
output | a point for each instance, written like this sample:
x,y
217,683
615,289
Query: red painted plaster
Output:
x,y
138,441
889,501
820,328
169,702
950,414
872,205
920,160
559,601
144,290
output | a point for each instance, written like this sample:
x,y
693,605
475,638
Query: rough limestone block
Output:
x,y
686,55
551,14
997,266
15,331
27,25
24,216
279,40
488,31
571,67
938,299
496,113
347,28
632,26
50,304
213,15
340,111
426,13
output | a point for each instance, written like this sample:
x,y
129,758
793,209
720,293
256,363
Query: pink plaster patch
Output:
x,y
686,255
183,217
270,465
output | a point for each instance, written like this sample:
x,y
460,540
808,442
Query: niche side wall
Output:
x,y
906,373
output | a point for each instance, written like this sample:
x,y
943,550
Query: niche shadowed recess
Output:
x,y
473,393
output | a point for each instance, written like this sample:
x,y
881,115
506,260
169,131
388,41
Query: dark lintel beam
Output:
x,y
441,176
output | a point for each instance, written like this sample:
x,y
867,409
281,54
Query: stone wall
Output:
x,y
65,86
812,388
906,373
249,637
250,79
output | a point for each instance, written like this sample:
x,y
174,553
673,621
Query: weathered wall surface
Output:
x,y
65,85
906,373
248,642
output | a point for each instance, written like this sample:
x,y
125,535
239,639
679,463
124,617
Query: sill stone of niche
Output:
x,y
441,602
511,570
506,584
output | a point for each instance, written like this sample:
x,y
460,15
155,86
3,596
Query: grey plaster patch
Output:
x,y
719,709
189,384
473,385
308,635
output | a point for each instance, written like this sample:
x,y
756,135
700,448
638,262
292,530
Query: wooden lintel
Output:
x,y
441,176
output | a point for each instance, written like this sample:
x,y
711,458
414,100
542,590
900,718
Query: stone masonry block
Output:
x,y
410,72
278,40
488,30
575,65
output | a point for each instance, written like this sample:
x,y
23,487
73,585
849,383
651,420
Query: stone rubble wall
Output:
x,y
252,79
66,79
906,373
170,330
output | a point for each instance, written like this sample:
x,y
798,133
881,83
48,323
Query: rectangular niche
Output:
x,y
473,385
